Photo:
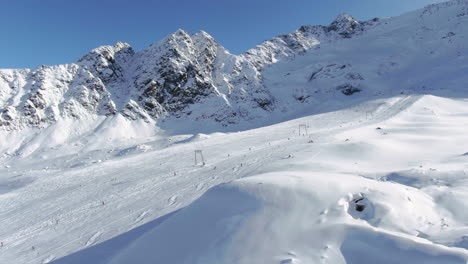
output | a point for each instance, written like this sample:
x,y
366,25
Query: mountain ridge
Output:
x,y
192,76
162,79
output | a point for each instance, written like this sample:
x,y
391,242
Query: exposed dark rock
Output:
x,y
314,74
348,89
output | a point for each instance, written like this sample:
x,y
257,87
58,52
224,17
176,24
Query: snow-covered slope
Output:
x,y
97,156
299,206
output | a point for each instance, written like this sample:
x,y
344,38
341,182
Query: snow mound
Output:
x,y
296,218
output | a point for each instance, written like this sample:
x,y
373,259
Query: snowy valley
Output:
x,y
344,143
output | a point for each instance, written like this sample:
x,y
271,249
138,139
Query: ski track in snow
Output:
x,y
90,207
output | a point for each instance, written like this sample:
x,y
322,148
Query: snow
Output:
x,y
296,206
301,209
88,175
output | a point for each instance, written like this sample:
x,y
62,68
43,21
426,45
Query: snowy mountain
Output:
x,y
171,78
343,143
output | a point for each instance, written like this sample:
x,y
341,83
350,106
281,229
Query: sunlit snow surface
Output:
x,y
109,190
114,204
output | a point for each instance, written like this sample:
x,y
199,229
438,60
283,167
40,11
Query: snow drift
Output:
x,y
295,218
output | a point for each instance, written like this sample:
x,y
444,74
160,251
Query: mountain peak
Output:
x,y
102,59
117,47
344,24
343,17
203,38
202,34
121,45
178,37
180,33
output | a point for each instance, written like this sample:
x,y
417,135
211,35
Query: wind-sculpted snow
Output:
x,y
390,198
294,218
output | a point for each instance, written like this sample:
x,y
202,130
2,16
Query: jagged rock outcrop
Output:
x,y
193,76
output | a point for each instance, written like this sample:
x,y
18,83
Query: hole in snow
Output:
x,y
361,208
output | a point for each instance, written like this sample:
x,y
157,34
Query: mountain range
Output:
x,y
193,77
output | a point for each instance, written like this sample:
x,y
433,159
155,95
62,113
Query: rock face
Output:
x,y
192,76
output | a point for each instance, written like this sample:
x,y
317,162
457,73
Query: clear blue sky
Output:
x,y
37,32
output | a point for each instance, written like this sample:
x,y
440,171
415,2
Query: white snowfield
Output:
x,y
329,174
299,206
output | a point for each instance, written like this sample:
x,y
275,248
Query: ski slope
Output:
x,y
282,198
